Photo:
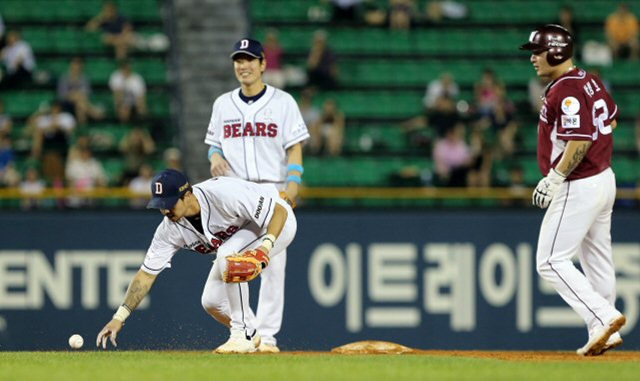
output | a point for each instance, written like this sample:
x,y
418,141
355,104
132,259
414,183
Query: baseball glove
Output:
x,y
246,266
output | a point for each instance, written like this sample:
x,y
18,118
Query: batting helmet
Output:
x,y
554,39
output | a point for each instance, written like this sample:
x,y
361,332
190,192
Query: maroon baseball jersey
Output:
x,y
576,107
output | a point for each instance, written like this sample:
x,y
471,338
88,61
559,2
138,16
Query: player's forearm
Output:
x,y
294,155
278,220
138,289
574,153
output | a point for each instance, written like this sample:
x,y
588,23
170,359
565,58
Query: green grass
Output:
x,y
148,365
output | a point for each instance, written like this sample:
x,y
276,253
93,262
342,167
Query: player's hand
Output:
x,y
246,266
219,166
547,188
109,331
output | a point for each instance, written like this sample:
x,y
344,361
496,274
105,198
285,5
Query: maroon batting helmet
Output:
x,y
554,39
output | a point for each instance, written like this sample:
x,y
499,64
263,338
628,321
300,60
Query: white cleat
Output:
x,y
268,348
239,342
614,341
599,342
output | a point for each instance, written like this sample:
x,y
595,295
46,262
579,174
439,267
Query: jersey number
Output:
x,y
602,118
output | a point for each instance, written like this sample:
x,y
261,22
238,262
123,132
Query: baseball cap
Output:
x,y
166,188
248,46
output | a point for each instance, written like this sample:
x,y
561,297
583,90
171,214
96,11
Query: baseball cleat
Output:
x,y
268,348
612,343
239,342
600,338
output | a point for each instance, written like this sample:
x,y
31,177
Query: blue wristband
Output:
x,y
295,167
294,179
213,150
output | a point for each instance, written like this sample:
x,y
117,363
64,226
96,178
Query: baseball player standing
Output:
x,y
221,216
256,133
575,145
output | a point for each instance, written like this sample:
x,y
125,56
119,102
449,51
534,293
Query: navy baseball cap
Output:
x,y
249,47
167,187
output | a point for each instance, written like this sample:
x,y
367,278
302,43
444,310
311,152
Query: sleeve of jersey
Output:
x,y
574,117
213,131
296,130
165,243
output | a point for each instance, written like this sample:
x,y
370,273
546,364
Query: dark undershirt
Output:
x,y
250,100
196,222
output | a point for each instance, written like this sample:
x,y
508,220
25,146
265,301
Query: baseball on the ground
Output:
x,y
76,341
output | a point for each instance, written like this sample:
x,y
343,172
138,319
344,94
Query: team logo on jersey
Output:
x,y
570,121
570,106
236,130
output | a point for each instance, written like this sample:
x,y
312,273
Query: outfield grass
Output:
x,y
200,366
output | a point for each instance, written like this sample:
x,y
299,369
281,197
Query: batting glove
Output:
x,y
547,188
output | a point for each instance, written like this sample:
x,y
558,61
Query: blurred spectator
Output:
x,y
30,187
172,158
345,10
310,113
438,10
84,173
488,91
481,160
322,67
621,29
18,61
637,128
273,74
136,147
327,133
445,86
2,42
401,14
452,158
141,185
117,30
567,20
129,92
74,89
51,133
5,122
9,176
536,88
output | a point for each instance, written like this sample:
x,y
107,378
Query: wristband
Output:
x,y
295,167
122,314
213,150
294,179
268,242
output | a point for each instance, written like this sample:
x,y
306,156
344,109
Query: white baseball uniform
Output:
x,y
235,215
254,138
578,221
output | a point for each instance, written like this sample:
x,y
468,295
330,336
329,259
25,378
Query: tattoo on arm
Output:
x,y
578,155
135,294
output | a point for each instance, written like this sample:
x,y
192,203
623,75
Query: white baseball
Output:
x,y
76,341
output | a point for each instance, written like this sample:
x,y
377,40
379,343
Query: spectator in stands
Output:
x,y
327,134
51,132
481,160
136,147
445,86
140,185
9,176
2,41
488,91
117,30
74,89
84,173
345,10
30,188
5,122
273,74
452,158
172,158
310,113
18,61
438,10
637,128
401,14
621,29
129,93
322,66
567,20
536,88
